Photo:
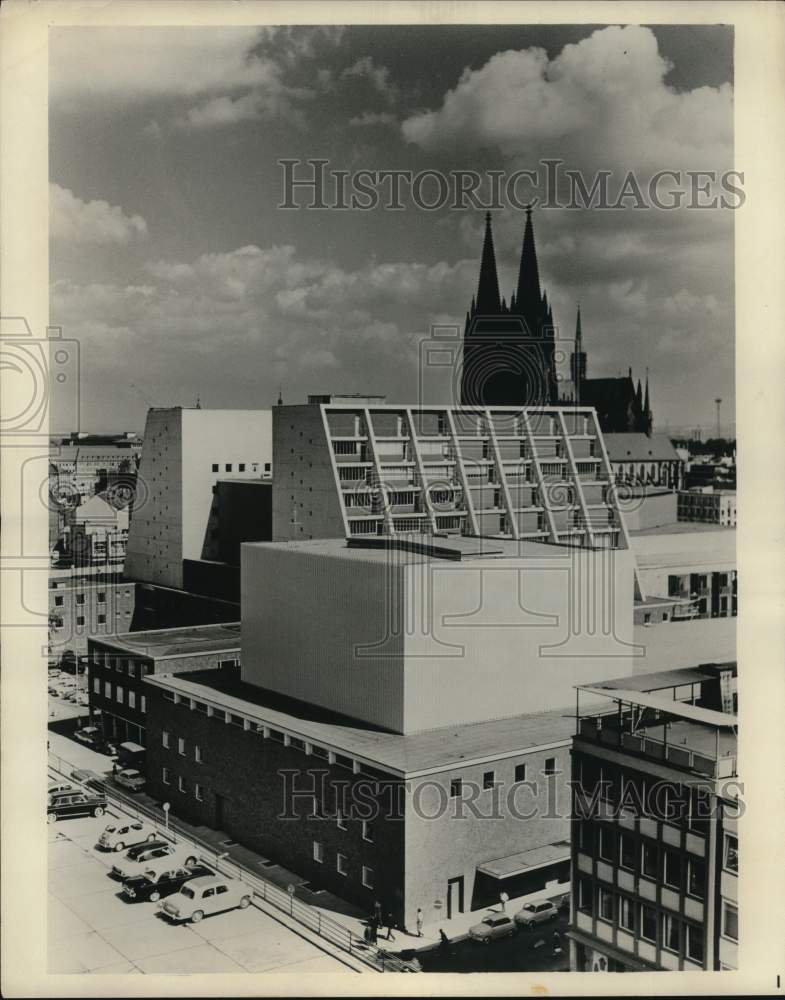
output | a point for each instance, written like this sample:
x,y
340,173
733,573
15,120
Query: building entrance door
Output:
x,y
454,896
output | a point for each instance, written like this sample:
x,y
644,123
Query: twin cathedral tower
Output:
x,y
510,351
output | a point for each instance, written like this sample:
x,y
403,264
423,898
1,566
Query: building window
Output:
x,y
604,904
102,619
181,746
228,466
80,620
165,775
520,772
584,895
241,467
215,467
649,860
488,779
731,855
143,705
648,923
606,847
132,699
198,792
672,872
96,685
318,852
340,863
80,598
670,933
456,787
181,783
626,914
165,739
58,602
267,467
368,877
695,943
730,921
550,765
101,597
198,754
696,877
107,690
626,851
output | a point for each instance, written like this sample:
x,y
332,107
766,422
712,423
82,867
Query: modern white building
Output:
x,y
708,505
186,451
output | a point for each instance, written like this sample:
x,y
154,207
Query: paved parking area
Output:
x,y
91,929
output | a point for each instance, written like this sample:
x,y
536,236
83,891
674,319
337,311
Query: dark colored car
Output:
x,y
65,805
153,885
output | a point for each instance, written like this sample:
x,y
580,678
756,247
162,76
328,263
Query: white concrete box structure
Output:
x,y
411,635
185,452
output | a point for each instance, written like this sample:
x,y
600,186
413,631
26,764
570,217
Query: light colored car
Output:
x,y
129,777
531,914
88,734
59,786
118,836
492,927
142,858
204,896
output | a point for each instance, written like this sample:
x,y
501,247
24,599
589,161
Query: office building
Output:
x,y
708,505
655,850
96,533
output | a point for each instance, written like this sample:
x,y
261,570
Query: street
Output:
x,y
527,951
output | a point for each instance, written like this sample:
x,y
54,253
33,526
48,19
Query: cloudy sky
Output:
x,y
180,276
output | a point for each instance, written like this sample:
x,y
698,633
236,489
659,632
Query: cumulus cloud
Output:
x,y
75,221
378,76
601,101
241,321
235,74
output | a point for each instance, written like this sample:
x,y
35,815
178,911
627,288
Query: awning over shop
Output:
x,y
527,861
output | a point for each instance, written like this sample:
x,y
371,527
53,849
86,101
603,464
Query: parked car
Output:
x,y
146,857
153,885
204,896
59,786
495,925
89,735
118,836
531,914
130,778
86,777
66,805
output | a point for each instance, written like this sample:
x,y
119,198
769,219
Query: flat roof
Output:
x,y
659,679
681,528
421,548
525,861
410,754
175,642
683,710
671,645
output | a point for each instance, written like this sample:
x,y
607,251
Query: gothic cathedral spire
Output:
x,y
488,300
528,299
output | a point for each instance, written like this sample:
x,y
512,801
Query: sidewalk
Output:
x,y
455,928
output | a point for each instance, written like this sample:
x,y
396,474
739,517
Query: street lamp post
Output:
x,y
166,808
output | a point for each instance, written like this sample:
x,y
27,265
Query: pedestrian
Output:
x,y
374,932
390,927
367,934
114,768
377,912
444,941
419,922
503,898
556,943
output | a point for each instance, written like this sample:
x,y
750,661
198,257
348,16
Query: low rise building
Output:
x,y
96,533
118,666
85,602
655,849
708,505
645,460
